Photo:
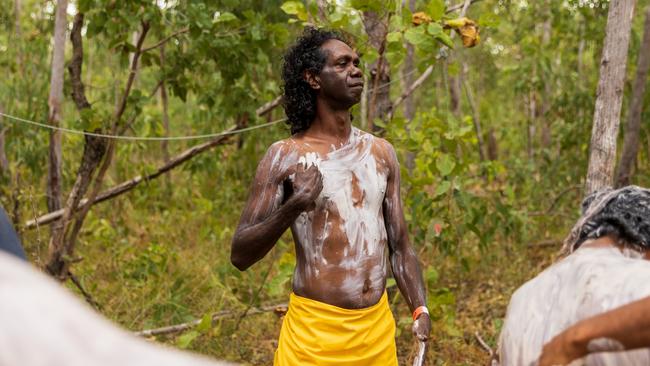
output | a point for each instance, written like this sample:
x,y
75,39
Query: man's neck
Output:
x,y
331,124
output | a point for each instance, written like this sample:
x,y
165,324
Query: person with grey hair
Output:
x,y
605,267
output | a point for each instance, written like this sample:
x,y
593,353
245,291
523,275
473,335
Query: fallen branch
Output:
x,y
86,294
484,344
172,329
173,163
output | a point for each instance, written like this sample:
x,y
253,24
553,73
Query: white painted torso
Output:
x,y
345,234
586,283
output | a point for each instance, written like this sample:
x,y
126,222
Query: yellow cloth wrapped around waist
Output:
x,y
319,334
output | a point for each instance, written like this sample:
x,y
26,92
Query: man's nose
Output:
x,y
356,71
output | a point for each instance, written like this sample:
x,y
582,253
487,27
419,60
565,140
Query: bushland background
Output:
x,y
494,142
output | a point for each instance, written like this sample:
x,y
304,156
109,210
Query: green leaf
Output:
x,y
489,20
416,35
434,29
445,39
205,324
225,17
293,7
364,5
442,188
186,339
445,164
436,9
431,275
394,37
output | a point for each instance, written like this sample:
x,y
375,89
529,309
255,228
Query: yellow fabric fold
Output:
x,y
318,334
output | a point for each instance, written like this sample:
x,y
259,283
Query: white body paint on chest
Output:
x,y
346,170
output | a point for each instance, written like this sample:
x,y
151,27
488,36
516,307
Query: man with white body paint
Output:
x,y
338,190
607,268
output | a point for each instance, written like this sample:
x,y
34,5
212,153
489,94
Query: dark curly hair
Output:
x,y
304,55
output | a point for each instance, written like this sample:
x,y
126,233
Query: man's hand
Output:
x,y
422,327
562,350
307,185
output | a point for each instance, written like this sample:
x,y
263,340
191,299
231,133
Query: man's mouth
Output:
x,y
356,85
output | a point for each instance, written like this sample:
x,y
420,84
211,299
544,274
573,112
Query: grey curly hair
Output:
x,y
624,213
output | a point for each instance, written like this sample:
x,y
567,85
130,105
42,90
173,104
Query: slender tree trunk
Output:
x,y
164,102
322,10
492,146
530,128
17,12
4,163
454,90
633,125
379,104
609,98
55,100
475,116
407,71
60,248
546,99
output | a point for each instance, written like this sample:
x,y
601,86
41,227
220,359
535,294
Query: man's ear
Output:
x,y
311,79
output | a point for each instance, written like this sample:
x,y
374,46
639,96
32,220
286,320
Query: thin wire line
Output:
x,y
138,138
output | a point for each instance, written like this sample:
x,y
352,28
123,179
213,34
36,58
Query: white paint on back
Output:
x,y
586,283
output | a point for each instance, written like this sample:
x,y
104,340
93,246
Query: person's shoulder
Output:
x,y
379,143
281,147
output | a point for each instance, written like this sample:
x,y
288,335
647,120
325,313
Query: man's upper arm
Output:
x,y
393,211
266,192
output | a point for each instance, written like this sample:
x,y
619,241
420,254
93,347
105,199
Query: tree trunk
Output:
x,y
609,98
407,73
454,91
492,146
530,127
475,116
633,125
546,99
55,100
4,163
165,102
62,243
379,104
17,11
322,10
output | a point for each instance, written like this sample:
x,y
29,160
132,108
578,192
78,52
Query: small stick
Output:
x,y
422,351
484,345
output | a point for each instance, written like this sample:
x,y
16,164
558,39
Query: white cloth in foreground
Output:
x,y
588,282
43,324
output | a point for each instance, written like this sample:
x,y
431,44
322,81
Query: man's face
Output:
x,y
341,80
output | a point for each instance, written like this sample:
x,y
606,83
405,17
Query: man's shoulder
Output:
x,y
281,147
377,141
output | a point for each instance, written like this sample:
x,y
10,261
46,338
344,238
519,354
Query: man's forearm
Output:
x,y
252,242
628,325
409,278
